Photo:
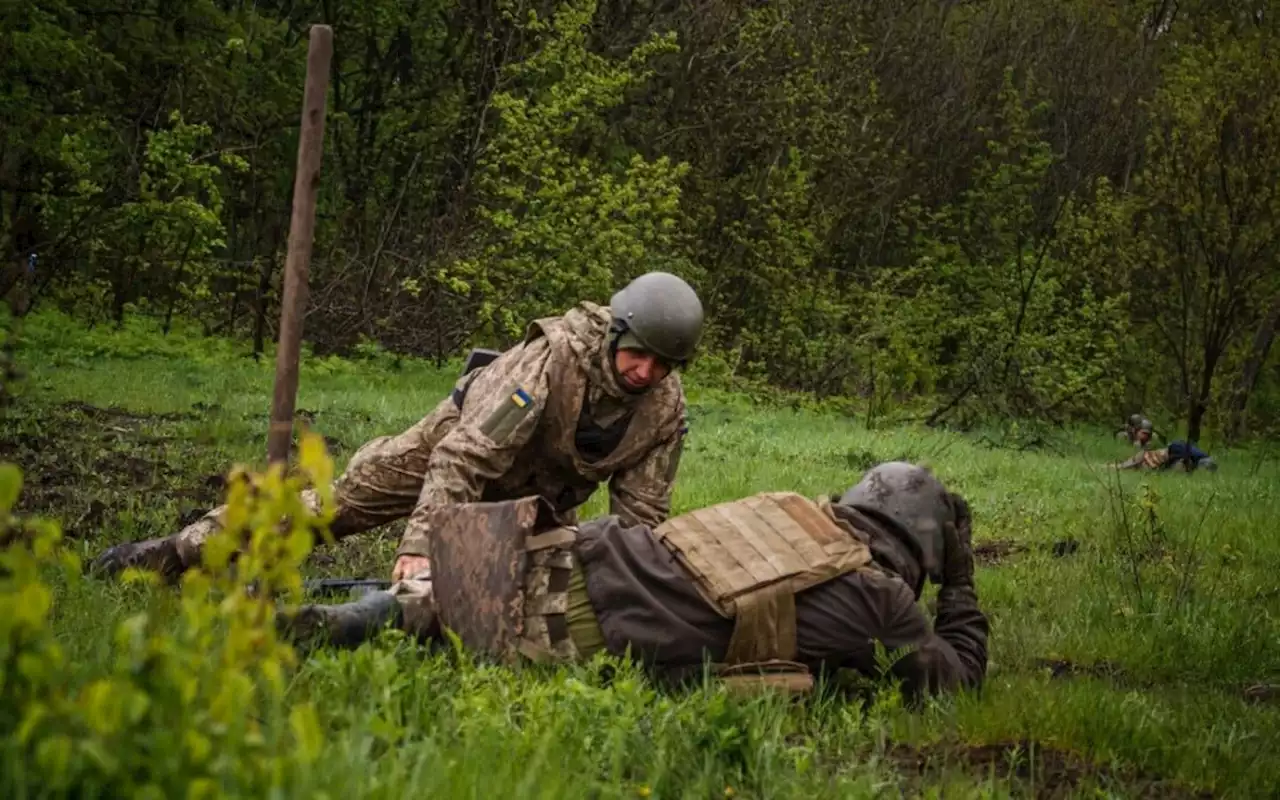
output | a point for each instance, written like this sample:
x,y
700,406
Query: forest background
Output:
x,y
945,211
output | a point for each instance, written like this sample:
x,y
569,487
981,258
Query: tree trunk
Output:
x,y
1258,352
1195,418
264,291
1200,400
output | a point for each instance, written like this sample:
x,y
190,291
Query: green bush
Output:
x,y
191,707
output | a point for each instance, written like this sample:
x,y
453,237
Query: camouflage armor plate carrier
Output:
x,y
501,574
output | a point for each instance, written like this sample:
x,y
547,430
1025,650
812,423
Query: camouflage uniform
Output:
x,y
772,583
547,418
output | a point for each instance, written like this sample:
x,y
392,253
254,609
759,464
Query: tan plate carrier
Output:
x,y
750,558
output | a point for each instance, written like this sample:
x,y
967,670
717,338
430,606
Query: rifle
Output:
x,y
334,586
479,357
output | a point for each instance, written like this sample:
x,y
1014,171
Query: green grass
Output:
x,y
1184,606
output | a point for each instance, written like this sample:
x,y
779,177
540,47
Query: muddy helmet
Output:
x,y
660,313
1145,425
915,501
1135,420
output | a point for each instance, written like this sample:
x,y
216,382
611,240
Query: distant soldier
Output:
x,y
587,397
1129,432
1179,455
773,582
1137,431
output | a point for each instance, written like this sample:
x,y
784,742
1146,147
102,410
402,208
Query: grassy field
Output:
x,y
1130,615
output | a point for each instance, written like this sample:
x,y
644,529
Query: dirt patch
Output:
x,y
1262,694
1063,668
1036,770
83,465
996,551
1064,547
117,414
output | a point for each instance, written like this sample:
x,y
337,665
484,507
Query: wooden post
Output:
x,y
306,183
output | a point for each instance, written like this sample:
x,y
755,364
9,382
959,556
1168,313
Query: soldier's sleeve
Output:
x,y
1132,463
642,495
951,654
501,411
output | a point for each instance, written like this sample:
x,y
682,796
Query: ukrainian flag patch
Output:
x,y
507,414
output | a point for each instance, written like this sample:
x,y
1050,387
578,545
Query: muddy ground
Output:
x,y
1035,769
109,475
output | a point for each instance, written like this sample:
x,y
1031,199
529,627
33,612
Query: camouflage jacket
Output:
x,y
1146,459
519,429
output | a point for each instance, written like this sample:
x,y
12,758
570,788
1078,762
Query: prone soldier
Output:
x,y
1179,455
774,582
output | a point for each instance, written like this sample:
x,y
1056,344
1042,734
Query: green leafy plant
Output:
x,y
192,707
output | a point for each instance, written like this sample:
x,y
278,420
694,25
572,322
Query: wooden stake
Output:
x,y
306,183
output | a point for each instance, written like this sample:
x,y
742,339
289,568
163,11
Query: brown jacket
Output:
x,y
525,417
648,606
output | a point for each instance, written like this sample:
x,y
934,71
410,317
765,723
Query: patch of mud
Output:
x,y
1262,694
995,552
1064,668
83,465
117,414
1064,547
1034,769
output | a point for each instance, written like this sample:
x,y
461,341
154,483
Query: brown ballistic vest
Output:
x,y
749,558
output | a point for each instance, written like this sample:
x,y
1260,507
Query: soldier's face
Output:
x,y
639,369
1144,437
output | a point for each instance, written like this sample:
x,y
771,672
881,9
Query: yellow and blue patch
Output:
x,y
507,415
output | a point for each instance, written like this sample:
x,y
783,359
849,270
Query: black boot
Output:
x,y
161,555
347,625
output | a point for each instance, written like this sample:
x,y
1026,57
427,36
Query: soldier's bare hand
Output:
x,y
409,566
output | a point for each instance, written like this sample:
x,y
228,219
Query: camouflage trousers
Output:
x,y
382,483
559,624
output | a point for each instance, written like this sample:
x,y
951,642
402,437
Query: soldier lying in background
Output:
x,y
1178,455
770,578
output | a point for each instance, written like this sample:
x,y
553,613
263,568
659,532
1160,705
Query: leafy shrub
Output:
x,y
191,707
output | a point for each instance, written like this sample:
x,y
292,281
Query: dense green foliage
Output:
x,y
1047,210
1118,663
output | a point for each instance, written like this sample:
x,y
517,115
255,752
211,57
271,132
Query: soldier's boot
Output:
x,y
170,556
409,605
346,625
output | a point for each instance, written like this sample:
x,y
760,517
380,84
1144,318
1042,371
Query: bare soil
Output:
x,y
1035,770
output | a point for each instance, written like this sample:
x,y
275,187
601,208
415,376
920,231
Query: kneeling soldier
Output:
x,y
770,579
587,398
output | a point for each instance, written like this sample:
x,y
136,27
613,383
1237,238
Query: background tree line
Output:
x,y
1044,209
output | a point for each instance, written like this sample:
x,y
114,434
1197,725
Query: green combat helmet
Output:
x,y
660,313
915,501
